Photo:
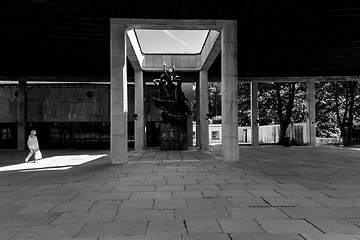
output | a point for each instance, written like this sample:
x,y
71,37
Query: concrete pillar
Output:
x,y
139,110
22,116
198,140
118,92
204,109
311,124
188,91
229,93
254,114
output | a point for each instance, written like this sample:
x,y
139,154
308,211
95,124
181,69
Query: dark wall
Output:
x,y
68,114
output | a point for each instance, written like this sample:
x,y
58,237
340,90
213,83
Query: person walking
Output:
x,y
33,146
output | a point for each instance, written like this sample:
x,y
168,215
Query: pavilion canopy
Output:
x,y
275,37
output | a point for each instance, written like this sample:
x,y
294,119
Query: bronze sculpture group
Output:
x,y
171,98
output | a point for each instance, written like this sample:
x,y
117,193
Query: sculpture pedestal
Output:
x,y
172,137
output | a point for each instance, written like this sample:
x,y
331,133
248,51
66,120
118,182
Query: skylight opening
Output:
x,y
171,41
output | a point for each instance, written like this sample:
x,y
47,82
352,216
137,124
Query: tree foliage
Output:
x,y
281,103
244,109
338,105
244,104
214,98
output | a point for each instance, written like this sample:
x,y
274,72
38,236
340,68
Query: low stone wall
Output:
x,y
268,134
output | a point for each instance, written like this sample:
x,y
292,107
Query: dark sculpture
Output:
x,y
171,98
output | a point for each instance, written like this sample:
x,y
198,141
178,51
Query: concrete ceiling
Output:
x,y
275,37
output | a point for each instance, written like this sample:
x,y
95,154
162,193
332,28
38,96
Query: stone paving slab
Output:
x,y
8,232
98,196
256,212
227,194
301,193
33,219
106,205
73,206
196,214
43,199
339,202
49,232
329,237
156,227
292,202
151,195
138,215
322,212
85,217
245,202
170,204
34,208
113,229
137,204
240,226
169,187
162,236
287,226
188,194
271,193
266,236
203,226
331,226
206,236
209,203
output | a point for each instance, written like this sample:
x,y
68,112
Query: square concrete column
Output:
x,y
254,114
139,110
22,116
204,109
198,140
229,93
311,124
188,91
118,105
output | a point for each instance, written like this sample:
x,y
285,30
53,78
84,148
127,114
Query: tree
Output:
x,y
340,103
326,122
280,103
244,106
244,111
214,98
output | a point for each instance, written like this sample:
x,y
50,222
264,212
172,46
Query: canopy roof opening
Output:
x,y
171,41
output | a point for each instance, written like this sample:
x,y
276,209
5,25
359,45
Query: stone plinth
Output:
x,y
172,137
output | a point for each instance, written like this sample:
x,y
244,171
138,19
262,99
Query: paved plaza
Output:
x,y
272,193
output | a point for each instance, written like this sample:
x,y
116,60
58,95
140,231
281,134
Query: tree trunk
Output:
x,y
352,92
346,123
285,120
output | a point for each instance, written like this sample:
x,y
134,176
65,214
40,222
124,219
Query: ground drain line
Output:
x,y
314,226
187,232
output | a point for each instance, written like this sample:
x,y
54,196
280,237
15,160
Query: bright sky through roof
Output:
x,y
171,41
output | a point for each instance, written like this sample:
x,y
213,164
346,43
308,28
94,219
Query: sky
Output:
x,y
171,41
